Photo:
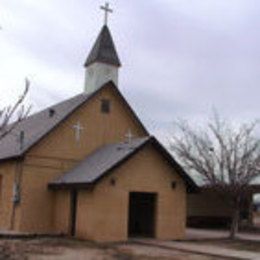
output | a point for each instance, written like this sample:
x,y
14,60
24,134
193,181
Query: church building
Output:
x,y
87,167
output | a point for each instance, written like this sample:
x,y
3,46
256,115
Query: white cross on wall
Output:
x,y
107,10
129,136
78,128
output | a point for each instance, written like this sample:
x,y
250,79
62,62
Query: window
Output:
x,y
105,106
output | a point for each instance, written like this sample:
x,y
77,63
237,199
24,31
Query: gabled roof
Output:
x,y
102,161
104,50
38,125
94,166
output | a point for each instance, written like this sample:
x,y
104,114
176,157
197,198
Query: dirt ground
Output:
x,y
67,249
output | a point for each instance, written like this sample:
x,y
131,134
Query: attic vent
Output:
x,y
105,106
51,112
173,184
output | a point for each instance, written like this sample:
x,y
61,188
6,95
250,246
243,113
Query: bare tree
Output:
x,y
12,115
226,158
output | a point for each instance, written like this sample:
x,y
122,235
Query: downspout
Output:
x,y
16,197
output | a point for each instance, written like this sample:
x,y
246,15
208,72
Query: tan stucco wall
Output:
x,y
61,216
103,213
36,207
7,172
99,129
59,152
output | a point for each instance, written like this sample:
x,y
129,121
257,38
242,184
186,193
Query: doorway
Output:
x,y
73,211
141,214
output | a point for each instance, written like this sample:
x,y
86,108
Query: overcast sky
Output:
x,y
180,58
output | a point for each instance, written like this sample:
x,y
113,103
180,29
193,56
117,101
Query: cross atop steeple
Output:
x,y
102,64
107,10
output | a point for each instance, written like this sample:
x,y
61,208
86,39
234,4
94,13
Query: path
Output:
x,y
200,249
198,234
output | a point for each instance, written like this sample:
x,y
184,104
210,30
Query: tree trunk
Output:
x,y
234,221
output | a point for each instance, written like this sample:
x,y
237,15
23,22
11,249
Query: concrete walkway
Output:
x,y
200,249
202,234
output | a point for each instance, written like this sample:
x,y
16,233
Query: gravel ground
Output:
x,y
66,249
148,252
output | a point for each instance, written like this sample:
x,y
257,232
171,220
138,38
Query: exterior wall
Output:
x,y
36,207
98,74
207,203
59,152
208,209
99,129
7,173
102,214
62,212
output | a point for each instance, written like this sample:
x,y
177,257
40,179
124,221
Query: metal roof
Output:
x,y
105,159
99,162
36,126
104,50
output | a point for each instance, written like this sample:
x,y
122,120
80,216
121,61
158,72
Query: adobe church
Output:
x,y
87,167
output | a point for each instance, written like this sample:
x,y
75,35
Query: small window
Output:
x,y
105,106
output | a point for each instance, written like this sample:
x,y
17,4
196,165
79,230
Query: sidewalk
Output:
x,y
200,249
198,234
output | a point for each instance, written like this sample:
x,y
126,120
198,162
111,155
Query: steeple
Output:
x,y
104,50
102,64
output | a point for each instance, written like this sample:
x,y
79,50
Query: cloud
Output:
x,y
180,57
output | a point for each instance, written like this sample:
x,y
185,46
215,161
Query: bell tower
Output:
x,y
102,64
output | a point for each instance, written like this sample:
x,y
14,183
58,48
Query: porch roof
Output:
x,y
104,160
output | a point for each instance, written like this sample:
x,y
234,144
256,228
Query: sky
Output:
x,y
181,58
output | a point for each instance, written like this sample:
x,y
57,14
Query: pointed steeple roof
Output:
x,y
104,50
